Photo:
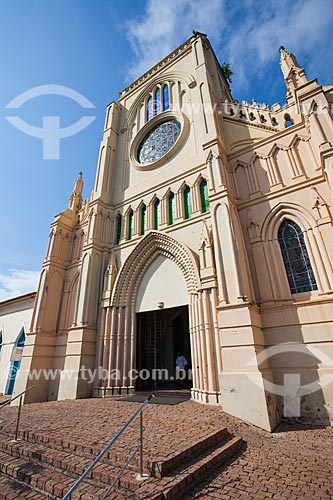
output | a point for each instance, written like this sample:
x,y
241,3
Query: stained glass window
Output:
x,y
130,225
204,196
143,219
172,208
157,214
187,203
149,108
166,103
158,141
157,103
295,257
118,229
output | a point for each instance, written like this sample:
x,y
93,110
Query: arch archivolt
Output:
x,y
133,269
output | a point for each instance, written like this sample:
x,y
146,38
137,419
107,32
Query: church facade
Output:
x,y
208,231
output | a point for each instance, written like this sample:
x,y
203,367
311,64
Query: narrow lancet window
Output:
x,y
118,229
204,196
143,220
149,108
296,258
166,103
172,208
187,203
157,103
157,214
130,225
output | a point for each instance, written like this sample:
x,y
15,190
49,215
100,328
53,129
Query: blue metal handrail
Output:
x,y
106,448
19,410
17,396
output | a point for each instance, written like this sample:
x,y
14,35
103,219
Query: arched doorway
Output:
x,y
161,273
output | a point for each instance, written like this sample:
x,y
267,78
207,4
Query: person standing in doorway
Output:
x,y
181,367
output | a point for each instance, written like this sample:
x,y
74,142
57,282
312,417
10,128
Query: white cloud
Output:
x,y
18,282
302,26
166,24
246,33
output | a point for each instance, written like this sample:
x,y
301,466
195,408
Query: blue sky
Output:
x,y
97,47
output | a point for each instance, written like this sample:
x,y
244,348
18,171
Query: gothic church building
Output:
x,y
209,230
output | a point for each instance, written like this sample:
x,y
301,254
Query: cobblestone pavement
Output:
x,y
294,463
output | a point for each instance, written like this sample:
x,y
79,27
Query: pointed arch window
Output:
x,y
187,203
296,258
166,103
204,196
118,229
149,108
157,214
157,103
172,208
21,339
130,226
143,220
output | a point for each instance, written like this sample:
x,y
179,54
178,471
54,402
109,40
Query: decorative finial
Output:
x,y
76,196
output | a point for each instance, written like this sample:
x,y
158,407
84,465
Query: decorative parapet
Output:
x,y
274,118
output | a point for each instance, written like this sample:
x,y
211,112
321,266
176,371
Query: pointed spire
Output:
x,y
294,75
76,196
78,186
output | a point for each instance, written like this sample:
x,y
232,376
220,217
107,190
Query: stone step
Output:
x,y
30,466
175,485
162,467
46,481
50,466
11,489
45,442
71,465
116,455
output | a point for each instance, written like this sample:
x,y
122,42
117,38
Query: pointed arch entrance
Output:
x,y
135,291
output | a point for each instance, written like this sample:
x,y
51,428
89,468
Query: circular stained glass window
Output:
x,y
158,141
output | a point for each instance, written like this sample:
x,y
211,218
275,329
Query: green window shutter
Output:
x,y
172,208
130,225
187,203
157,214
143,220
204,196
118,231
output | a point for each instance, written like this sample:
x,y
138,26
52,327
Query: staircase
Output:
x,y
38,466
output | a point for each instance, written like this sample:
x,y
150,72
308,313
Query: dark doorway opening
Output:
x,y
161,334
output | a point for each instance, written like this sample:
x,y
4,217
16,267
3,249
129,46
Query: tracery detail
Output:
x,y
296,259
158,141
